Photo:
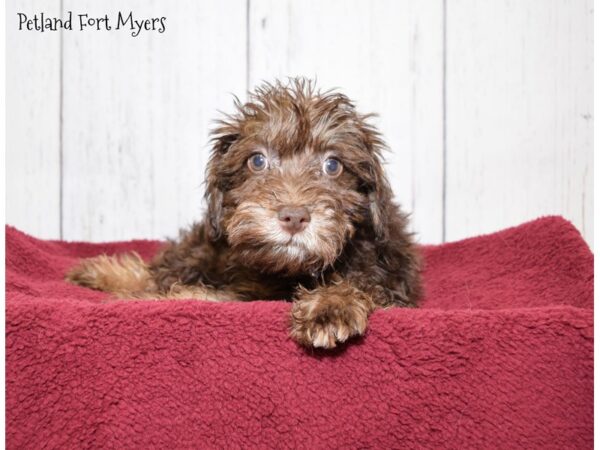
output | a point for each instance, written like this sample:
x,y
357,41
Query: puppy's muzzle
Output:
x,y
293,219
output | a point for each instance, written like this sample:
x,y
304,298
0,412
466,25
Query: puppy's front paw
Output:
x,y
330,315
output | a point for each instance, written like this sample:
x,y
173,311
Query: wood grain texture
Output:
x,y
385,55
137,111
32,123
492,112
519,114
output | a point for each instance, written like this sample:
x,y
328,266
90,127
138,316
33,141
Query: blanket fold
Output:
x,y
499,354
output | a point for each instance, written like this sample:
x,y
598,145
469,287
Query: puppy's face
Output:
x,y
292,177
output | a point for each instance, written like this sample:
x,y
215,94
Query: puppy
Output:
x,y
299,209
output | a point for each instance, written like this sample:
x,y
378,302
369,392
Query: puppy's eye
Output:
x,y
332,167
258,162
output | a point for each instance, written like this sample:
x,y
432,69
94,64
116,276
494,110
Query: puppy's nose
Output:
x,y
293,219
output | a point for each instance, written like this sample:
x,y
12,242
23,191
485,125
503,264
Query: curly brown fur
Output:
x,y
329,314
339,250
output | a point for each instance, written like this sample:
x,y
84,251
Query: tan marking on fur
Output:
x,y
127,277
120,274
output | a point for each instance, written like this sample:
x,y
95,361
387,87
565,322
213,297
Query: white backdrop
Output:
x,y
486,105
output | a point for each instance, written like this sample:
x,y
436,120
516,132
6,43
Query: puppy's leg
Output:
x,y
330,314
123,275
128,276
198,292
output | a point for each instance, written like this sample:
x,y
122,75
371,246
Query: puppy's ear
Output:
x,y
380,198
223,138
378,189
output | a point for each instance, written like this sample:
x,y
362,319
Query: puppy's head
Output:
x,y
293,175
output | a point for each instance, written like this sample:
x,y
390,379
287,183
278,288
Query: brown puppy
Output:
x,y
298,209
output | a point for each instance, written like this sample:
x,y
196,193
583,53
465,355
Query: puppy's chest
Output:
x,y
257,286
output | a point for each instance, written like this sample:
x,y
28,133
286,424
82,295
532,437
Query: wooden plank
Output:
x,y
137,111
519,114
32,122
425,126
387,56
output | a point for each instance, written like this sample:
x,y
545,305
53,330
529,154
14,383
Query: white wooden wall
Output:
x,y
487,107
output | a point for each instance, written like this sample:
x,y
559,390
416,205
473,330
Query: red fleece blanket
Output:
x,y
499,355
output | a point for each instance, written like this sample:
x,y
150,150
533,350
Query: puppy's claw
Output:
x,y
322,339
